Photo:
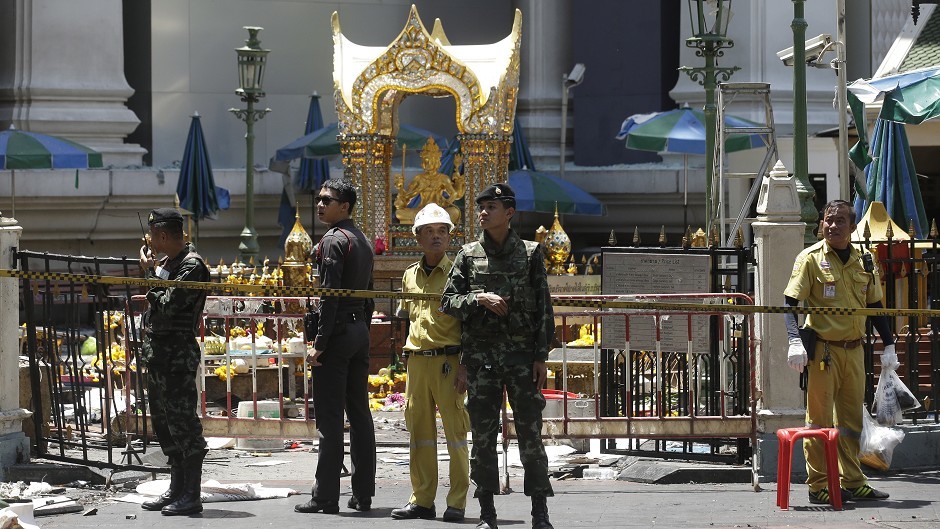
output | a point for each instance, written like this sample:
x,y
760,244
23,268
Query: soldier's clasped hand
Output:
x,y
493,303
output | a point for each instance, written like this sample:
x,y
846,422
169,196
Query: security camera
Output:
x,y
815,48
576,76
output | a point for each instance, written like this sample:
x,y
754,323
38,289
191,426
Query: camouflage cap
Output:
x,y
164,215
497,191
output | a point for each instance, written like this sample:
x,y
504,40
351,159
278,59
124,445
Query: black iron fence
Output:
x,y
718,374
85,386
911,281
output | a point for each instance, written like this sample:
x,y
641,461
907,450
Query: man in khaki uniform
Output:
x,y
833,273
436,379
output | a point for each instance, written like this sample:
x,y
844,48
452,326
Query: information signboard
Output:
x,y
630,274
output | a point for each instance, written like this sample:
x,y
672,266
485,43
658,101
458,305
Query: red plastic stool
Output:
x,y
787,438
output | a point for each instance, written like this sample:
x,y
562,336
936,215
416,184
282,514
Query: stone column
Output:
x,y
545,57
778,236
14,446
65,74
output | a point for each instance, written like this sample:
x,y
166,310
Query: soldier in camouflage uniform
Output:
x,y
171,355
498,288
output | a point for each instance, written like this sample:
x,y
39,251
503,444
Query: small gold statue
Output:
x,y
429,186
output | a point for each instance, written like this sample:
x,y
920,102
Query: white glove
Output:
x,y
889,359
796,355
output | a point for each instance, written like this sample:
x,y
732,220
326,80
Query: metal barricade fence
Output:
x,y
658,377
97,401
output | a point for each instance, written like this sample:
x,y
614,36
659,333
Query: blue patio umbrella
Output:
x,y
196,187
313,172
906,98
537,191
30,150
323,143
892,179
682,131
311,175
519,155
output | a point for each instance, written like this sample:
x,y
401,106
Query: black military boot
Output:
x,y
177,472
487,512
540,513
190,500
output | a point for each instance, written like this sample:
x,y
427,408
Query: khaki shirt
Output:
x,y
820,279
430,327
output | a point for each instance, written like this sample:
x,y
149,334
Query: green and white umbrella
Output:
x,y
29,150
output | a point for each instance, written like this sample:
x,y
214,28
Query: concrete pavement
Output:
x,y
714,497
914,504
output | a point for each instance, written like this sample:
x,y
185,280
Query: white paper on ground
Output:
x,y
23,512
213,491
215,443
133,498
269,463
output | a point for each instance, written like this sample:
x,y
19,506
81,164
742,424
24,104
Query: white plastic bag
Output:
x,y
892,398
876,445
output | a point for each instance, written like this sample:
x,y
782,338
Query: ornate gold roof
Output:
x,y
370,81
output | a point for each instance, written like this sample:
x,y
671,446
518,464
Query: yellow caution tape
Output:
x,y
291,291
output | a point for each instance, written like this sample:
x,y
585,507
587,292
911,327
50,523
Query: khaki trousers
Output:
x,y
429,389
835,396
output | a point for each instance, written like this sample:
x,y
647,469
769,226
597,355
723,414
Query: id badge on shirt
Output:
x,y
829,290
163,273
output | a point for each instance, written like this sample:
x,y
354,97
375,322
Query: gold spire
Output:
x,y
557,246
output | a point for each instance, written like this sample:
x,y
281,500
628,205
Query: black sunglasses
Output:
x,y
327,200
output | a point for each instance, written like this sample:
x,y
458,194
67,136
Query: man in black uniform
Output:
x,y
340,359
171,355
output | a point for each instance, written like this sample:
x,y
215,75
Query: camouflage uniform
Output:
x,y
499,351
171,354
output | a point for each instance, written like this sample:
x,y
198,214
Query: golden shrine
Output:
x,y
370,82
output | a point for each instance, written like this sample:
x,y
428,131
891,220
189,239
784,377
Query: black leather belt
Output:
x,y
845,344
447,350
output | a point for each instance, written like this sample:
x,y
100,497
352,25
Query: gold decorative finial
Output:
x,y
557,247
699,239
739,238
715,237
687,238
612,239
889,232
933,229
636,236
866,231
662,236
910,228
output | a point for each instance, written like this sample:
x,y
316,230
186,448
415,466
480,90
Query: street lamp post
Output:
x,y
251,61
800,151
709,21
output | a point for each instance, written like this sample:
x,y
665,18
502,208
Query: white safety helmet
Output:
x,y
432,214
